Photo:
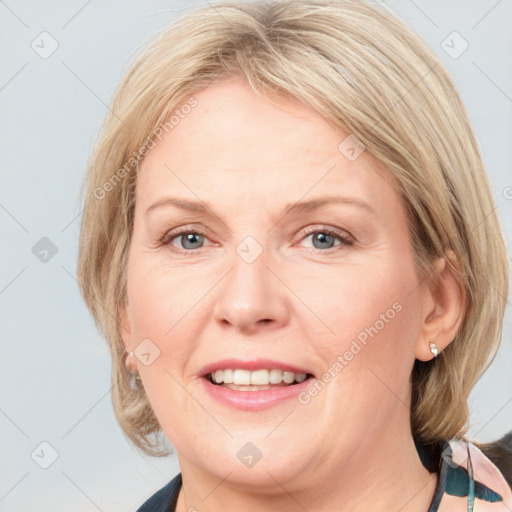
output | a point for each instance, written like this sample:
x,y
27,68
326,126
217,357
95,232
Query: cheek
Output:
x,y
361,299
369,362
162,320
374,317
158,312
158,299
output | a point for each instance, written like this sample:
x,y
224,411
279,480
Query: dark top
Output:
x,y
452,479
165,499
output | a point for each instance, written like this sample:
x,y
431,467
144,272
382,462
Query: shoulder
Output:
x,y
164,500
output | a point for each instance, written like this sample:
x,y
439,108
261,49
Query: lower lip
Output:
x,y
254,400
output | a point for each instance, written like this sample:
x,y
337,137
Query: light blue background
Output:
x,y
55,366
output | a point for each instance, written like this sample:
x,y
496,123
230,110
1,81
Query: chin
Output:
x,y
253,463
261,478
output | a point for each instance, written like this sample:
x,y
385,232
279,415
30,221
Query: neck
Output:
x,y
379,476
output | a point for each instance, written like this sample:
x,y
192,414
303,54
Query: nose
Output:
x,y
252,297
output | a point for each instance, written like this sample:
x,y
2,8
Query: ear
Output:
x,y
444,308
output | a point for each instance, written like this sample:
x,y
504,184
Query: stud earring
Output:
x,y
433,349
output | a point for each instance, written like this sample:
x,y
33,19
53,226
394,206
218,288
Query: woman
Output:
x,y
290,243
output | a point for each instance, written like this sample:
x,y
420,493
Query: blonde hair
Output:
x,y
361,67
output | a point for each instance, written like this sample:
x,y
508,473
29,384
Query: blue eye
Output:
x,y
325,238
189,239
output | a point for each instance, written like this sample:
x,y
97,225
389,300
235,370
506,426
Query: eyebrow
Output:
x,y
297,207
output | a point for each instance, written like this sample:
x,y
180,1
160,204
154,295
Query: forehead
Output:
x,y
235,143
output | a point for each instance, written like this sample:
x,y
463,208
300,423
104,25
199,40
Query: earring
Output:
x,y
433,349
132,366
130,362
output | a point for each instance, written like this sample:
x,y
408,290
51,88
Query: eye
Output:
x,y
189,239
323,238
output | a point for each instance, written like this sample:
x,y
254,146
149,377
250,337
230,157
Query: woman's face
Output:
x,y
327,290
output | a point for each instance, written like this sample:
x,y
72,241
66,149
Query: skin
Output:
x,y
350,448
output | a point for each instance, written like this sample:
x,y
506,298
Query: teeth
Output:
x,y
276,376
241,377
288,377
256,377
259,377
228,376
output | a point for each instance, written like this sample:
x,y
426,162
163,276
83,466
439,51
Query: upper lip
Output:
x,y
252,365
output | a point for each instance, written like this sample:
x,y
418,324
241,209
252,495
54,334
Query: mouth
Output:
x,y
254,385
238,379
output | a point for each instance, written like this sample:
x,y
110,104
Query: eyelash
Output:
x,y
169,236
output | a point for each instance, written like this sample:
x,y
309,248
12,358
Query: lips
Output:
x,y
254,397
257,395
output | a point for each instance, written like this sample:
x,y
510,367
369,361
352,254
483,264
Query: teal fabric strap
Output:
x,y
471,489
